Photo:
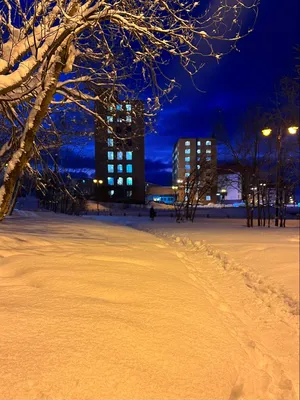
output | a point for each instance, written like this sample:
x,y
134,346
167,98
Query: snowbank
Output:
x,y
96,311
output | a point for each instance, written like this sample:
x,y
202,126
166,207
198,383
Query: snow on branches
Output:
x,y
60,52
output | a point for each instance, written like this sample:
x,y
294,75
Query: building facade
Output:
x,y
160,194
195,157
119,152
229,187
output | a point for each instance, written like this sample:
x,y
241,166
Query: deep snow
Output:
x,y
91,310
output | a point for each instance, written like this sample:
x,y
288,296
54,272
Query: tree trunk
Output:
x,y
14,198
23,154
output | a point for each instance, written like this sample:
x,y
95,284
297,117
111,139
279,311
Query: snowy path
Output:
x,y
95,311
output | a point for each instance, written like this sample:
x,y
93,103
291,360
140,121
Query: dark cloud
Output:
x,y
81,165
73,160
158,172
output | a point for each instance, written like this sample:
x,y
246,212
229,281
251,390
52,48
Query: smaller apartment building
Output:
x,y
160,194
195,154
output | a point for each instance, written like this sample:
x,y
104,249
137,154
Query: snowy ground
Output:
x,y
270,254
92,310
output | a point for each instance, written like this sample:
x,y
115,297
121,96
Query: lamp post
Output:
x,y
175,188
97,182
291,130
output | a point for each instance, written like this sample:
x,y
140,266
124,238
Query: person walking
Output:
x,y
152,213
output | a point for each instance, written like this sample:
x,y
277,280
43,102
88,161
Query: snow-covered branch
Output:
x,y
54,53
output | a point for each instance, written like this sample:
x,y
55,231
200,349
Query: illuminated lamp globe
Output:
x,y
293,130
267,131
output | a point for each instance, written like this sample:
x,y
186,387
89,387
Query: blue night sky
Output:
x,y
240,79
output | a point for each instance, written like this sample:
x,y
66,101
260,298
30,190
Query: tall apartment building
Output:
x,y
119,152
190,155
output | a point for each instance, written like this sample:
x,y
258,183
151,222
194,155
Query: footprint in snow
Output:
x,y
192,276
161,246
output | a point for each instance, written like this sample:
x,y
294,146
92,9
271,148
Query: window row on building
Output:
x,y
120,168
119,181
120,107
188,151
207,198
111,119
120,155
207,143
128,193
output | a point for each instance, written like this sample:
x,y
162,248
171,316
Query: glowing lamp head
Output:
x,y
100,181
293,130
95,180
267,131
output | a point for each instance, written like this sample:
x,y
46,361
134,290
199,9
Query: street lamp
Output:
x,y
175,188
292,130
267,131
97,182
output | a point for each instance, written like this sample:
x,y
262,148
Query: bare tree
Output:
x,y
50,50
201,182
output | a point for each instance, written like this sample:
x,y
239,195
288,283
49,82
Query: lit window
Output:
x,y
187,159
110,181
198,143
109,118
119,107
129,193
119,119
208,151
110,168
110,142
198,151
110,155
120,168
187,167
198,158
128,155
198,166
110,108
120,155
187,151
208,143
111,193
120,181
186,198
129,181
208,158
129,168
128,118
128,107
208,198
109,130
187,143
187,174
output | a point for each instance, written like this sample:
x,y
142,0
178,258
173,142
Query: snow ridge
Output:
x,y
274,296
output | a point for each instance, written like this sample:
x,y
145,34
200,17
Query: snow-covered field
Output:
x,y
271,254
93,310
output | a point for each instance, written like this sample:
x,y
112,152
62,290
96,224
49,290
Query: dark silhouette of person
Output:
x,y
152,213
